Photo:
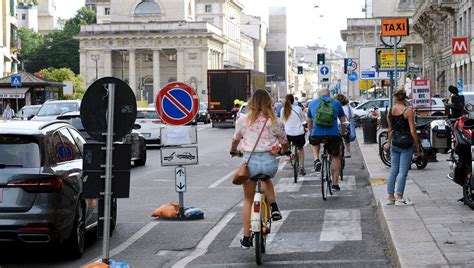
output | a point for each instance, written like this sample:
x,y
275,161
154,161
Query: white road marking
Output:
x,y
349,183
282,164
204,244
145,229
275,227
221,180
341,225
287,185
338,262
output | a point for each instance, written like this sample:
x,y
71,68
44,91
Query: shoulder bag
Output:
x,y
242,174
401,137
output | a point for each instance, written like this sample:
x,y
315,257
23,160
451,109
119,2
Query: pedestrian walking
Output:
x,y
295,121
350,131
8,113
260,118
456,103
402,140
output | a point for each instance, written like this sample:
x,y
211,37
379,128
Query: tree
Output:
x,y
65,74
57,49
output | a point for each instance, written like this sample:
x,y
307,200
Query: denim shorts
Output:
x,y
262,163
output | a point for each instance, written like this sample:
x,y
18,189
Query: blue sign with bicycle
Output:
x,y
352,76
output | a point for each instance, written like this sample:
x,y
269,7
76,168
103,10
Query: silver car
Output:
x,y
41,186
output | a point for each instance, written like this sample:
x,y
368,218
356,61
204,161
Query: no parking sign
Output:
x,y
177,104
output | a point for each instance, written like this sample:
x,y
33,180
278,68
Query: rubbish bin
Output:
x,y
383,119
369,130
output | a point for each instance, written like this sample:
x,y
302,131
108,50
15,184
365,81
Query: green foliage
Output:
x,y
58,49
65,74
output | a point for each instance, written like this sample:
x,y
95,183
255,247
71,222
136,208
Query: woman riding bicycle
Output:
x,y
295,120
263,161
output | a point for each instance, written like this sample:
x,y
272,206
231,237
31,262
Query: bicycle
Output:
x,y
260,218
294,160
326,177
343,160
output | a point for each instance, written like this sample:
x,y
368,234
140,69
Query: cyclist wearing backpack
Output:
x,y
322,124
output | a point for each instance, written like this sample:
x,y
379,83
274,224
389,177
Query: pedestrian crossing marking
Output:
x,y
287,185
341,225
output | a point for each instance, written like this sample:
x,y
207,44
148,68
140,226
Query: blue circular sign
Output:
x,y
324,70
353,76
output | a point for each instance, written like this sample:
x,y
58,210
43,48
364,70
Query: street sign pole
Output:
x,y
393,77
16,97
181,200
108,172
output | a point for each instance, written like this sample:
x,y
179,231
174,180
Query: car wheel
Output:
x,y
141,162
75,243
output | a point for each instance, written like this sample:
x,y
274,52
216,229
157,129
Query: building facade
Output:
x,y
149,44
27,16
278,60
47,16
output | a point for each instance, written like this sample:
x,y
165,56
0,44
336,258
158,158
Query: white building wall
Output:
x,y
27,18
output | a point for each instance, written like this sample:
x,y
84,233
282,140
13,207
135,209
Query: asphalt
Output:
x,y
438,230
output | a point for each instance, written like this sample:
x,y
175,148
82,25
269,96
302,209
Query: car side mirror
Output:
x,y
136,126
30,117
365,109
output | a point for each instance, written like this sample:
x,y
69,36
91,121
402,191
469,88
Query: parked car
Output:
x,y
150,125
52,109
28,111
134,137
186,155
203,114
362,109
41,186
353,104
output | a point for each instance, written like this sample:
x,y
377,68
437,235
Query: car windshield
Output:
x,y
57,108
75,122
147,115
19,152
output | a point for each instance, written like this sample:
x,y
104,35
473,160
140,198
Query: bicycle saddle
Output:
x,y
261,177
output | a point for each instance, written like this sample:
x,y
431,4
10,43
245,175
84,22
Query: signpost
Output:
x,y
368,64
421,94
324,73
180,179
178,104
460,45
15,81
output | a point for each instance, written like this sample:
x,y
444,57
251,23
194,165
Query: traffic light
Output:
x,y
345,65
300,69
321,59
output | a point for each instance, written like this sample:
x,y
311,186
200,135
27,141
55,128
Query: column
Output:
x,y
204,68
107,63
132,78
156,73
83,66
180,64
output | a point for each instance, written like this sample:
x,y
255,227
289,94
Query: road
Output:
x,y
342,231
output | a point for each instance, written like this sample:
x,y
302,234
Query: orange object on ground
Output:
x,y
170,210
96,265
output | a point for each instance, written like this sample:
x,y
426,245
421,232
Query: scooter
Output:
x,y
460,166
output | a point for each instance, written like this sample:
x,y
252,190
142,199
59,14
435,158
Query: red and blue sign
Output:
x,y
177,104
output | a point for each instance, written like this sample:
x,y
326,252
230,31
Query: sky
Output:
x,y
305,24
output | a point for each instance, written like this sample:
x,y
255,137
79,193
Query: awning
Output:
x,y
15,60
13,93
6,57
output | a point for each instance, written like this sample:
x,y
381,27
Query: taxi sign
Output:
x,y
177,104
385,59
395,27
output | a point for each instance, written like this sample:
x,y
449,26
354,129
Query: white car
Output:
x,y
362,109
150,124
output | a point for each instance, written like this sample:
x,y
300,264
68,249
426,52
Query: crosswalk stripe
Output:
x,y
341,225
287,185
275,227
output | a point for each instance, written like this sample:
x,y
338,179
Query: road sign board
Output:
x,y
349,62
177,103
352,76
180,179
395,27
94,109
15,81
421,93
460,45
385,59
353,66
177,156
324,70
367,64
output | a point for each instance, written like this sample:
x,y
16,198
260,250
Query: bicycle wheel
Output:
x,y
328,176
343,161
323,178
296,164
258,247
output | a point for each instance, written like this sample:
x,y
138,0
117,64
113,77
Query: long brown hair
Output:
x,y
260,103
289,100
342,99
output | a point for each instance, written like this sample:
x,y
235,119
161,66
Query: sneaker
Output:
x,y
336,188
302,171
404,202
245,242
390,202
317,165
276,214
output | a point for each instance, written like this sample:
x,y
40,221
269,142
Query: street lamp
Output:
x,y
96,57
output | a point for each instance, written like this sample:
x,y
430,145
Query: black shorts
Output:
x,y
333,143
298,141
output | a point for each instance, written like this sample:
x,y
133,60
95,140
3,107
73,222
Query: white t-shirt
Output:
x,y
294,124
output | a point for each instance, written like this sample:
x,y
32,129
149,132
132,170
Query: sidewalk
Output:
x,y
437,231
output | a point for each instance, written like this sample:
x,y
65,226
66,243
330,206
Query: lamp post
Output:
x,y
96,58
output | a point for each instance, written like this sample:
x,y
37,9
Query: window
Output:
x,y
23,16
19,151
78,139
107,11
208,8
69,150
147,7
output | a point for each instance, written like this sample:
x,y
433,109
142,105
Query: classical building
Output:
x,y
278,59
437,23
151,43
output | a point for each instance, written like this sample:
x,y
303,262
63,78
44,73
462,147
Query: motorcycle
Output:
x,y
420,160
460,167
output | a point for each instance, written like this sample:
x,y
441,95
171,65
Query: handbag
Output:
x,y
242,174
401,138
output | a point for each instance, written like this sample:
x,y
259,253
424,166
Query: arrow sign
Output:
x,y
180,179
324,70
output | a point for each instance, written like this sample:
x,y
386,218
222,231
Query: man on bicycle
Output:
x,y
322,124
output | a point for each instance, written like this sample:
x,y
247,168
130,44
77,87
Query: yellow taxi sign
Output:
x,y
395,27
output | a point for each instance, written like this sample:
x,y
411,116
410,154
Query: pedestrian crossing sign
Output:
x,y
15,81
